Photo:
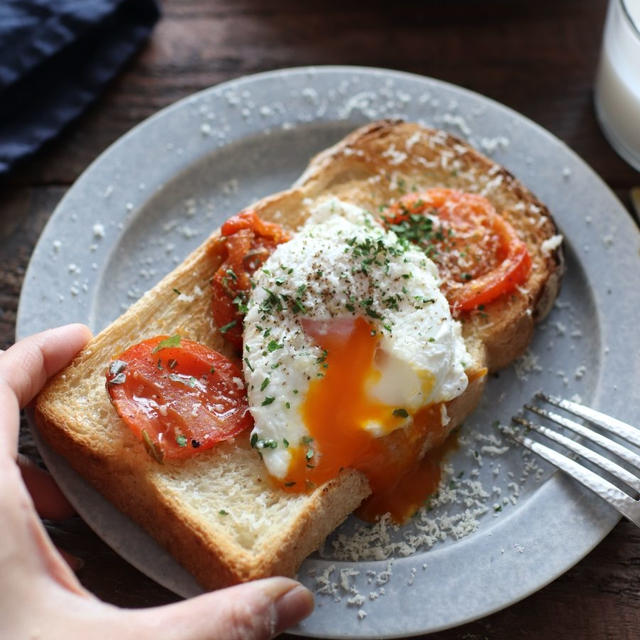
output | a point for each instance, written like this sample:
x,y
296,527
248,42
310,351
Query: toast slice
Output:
x,y
218,513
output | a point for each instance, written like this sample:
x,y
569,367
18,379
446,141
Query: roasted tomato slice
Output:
x,y
246,243
478,253
179,397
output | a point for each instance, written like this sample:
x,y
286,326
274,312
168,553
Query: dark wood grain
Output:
x,y
536,57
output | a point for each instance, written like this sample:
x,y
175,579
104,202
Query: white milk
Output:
x,y
617,91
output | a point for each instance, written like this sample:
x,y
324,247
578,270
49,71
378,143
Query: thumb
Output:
x,y
252,611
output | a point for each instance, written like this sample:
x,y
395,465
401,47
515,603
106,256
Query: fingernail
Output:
x,y
293,606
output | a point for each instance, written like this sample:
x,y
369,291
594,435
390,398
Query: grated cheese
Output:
x,y
551,244
395,156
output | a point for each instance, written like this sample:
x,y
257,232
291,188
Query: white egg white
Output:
x,y
324,272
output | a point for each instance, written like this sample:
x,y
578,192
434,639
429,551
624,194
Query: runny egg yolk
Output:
x,y
336,411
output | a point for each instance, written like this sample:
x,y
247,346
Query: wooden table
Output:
x,y
536,57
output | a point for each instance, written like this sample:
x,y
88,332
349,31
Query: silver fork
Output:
x,y
628,505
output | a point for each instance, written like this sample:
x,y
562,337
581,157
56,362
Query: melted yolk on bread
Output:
x,y
338,409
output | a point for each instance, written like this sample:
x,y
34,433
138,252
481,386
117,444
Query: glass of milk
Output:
x,y
617,90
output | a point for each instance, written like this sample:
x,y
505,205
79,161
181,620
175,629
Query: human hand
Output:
x,y
40,597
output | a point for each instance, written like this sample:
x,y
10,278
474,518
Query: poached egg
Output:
x,y
348,341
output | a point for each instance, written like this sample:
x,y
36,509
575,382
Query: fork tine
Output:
x,y
602,441
626,505
612,425
588,454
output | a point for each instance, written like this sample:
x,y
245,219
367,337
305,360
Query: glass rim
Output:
x,y
627,14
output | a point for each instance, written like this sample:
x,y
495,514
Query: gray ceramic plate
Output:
x,y
505,526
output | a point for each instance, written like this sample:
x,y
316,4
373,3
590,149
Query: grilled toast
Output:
x,y
218,513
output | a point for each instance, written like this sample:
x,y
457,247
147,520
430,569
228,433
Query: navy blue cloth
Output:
x,y
56,56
